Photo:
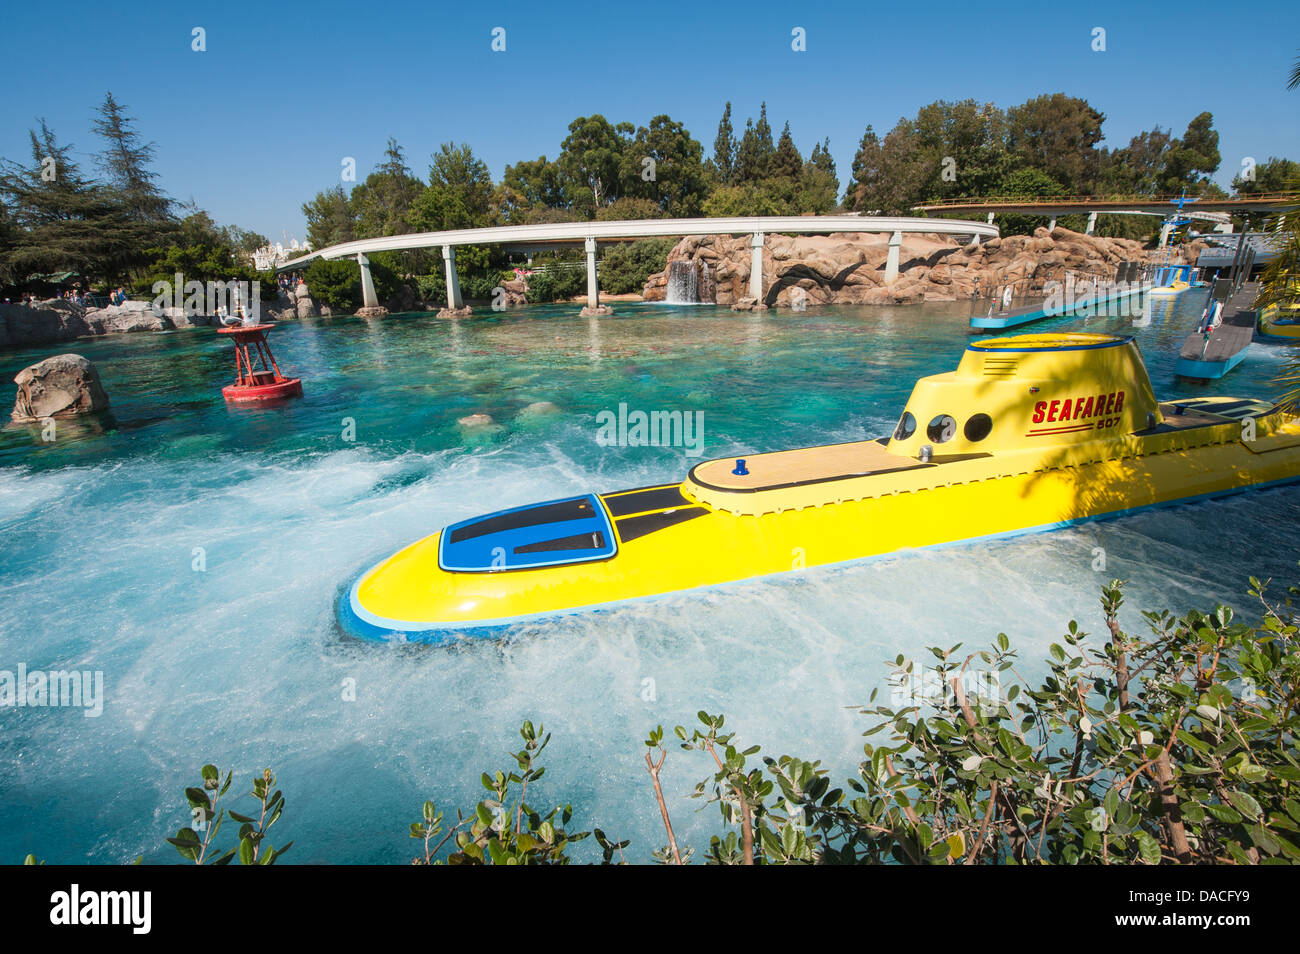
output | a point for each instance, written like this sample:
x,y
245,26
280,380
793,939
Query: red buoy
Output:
x,y
257,376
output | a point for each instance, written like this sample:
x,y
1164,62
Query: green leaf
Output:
x,y
1264,839
1245,804
1223,813
1148,848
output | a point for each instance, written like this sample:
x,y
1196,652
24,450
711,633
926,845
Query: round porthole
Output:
x,y
942,429
978,427
906,427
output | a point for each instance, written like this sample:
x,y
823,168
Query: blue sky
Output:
x,y
261,121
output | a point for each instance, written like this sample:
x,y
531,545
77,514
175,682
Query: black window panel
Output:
x,y
632,527
581,541
576,509
653,498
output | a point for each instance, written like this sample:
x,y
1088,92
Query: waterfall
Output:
x,y
683,283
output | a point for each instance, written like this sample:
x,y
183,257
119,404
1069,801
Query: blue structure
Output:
x,y
1016,319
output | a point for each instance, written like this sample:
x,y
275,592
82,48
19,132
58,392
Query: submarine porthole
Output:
x,y
942,429
978,427
906,427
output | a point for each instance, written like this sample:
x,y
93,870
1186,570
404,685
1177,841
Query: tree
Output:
x,y
381,205
755,152
889,176
1026,182
126,160
592,159
200,250
724,148
748,198
63,221
819,187
1193,159
1057,134
529,186
786,160
1271,175
464,183
1138,168
961,149
330,220
663,164
8,239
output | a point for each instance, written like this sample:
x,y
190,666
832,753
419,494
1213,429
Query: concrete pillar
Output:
x,y
891,263
1164,234
756,266
454,301
593,286
990,218
1092,222
1051,226
368,297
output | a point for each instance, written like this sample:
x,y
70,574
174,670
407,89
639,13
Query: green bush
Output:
x,y
431,289
556,284
626,266
337,282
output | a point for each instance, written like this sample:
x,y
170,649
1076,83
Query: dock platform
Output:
x,y
1026,315
1212,355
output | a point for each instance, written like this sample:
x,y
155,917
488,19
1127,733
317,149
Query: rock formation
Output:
x,y
849,268
61,386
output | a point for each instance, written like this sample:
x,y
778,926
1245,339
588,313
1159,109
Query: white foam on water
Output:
x,y
242,664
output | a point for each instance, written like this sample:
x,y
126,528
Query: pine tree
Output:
x,y
724,148
126,161
866,174
821,157
764,132
382,203
786,160
64,222
755,153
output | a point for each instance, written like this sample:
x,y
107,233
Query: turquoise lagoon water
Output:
x,y
241,663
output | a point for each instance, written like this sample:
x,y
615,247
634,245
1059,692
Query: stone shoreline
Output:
x,y
842,268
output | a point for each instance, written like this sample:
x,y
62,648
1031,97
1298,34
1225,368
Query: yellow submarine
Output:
x,y
1280,320
1031,432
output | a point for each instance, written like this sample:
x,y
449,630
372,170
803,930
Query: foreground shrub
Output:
x,y
1177,746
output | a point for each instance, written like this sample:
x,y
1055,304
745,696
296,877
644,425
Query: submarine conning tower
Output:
x,y
1028,391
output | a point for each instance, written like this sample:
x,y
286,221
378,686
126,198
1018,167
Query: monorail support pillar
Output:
x,y
891,263
368,297
454,300
756,267
593,308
